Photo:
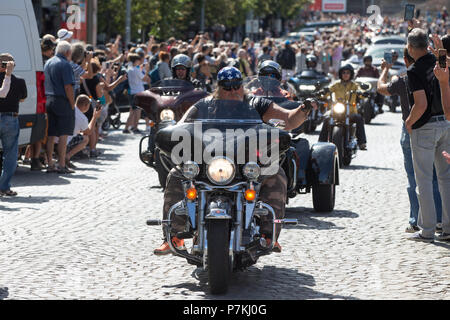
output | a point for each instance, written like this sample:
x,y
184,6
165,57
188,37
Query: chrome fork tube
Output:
x,y
201,220
238,223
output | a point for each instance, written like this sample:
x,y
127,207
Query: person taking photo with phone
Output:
x,y
13,90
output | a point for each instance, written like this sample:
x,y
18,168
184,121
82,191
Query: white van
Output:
x,y
19,36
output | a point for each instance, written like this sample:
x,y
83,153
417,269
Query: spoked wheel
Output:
x,y
338,139
219,265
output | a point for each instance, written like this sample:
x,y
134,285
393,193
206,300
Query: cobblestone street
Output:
x,y
84,236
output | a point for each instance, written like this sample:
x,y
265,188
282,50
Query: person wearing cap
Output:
x,y
286,59
64,34
13,90
274,188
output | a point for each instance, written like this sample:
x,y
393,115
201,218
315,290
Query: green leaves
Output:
x,y
166,18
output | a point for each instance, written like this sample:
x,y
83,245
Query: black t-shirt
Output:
x,y
399,87
260,104
17,92
421,77
91,85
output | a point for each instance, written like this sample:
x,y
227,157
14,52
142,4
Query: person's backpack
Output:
x,y
154,75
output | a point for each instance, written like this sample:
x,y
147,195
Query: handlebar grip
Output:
x,y
154,222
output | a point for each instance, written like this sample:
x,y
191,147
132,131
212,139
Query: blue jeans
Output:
x,y
409,168
9,136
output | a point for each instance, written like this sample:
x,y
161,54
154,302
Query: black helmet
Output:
x,y
311,61
347,67
270,68
368,57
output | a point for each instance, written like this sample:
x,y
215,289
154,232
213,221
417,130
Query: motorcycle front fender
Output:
x,y
323,163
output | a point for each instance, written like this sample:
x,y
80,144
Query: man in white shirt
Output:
x,y
80,138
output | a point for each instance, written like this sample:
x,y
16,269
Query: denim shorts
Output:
x,y
61,117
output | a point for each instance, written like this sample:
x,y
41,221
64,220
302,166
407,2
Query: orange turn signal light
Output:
x,y
152,123
250,195
191,193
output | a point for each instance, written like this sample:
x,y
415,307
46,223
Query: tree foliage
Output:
x,y
166,18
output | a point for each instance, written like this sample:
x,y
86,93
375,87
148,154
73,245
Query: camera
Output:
x,y
4,64
95,104
308,104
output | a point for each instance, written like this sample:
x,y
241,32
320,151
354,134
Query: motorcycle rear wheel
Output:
x,y
219,266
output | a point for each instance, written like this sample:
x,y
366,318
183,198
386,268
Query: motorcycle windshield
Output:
x,y
223,111
263,87
174,84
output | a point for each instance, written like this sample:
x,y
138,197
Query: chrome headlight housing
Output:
x,y
221,171
339,108
190,170
167,115
308,87
251,170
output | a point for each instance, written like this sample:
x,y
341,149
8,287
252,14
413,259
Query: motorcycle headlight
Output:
x,y
221,171
167,115
307,87
339,108
190,170
251,170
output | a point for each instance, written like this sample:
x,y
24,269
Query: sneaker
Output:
x,y
362,146
439,227
412,229
165,249
276,246
443,236
126,131
418,237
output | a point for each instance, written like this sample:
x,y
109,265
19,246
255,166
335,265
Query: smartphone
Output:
x,y
442,58
4,64
388,57
409,12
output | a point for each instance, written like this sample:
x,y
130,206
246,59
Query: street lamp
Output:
x,y
128,23
202,17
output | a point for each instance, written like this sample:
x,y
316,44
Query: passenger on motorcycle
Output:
x,y
274,188
271,69
341,90
372,72
181,69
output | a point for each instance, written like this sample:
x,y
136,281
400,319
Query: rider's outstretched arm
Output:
x,y
292,118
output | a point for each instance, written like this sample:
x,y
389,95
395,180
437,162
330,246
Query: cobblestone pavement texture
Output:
x,y
83,236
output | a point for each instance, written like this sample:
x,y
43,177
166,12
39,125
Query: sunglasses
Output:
x,y
180,68
231,85
271,75
346,72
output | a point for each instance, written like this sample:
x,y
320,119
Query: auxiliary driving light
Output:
x,y
250,195
191,193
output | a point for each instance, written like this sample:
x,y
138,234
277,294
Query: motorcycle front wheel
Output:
x,y
324,197
368,112
219,266
337,138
